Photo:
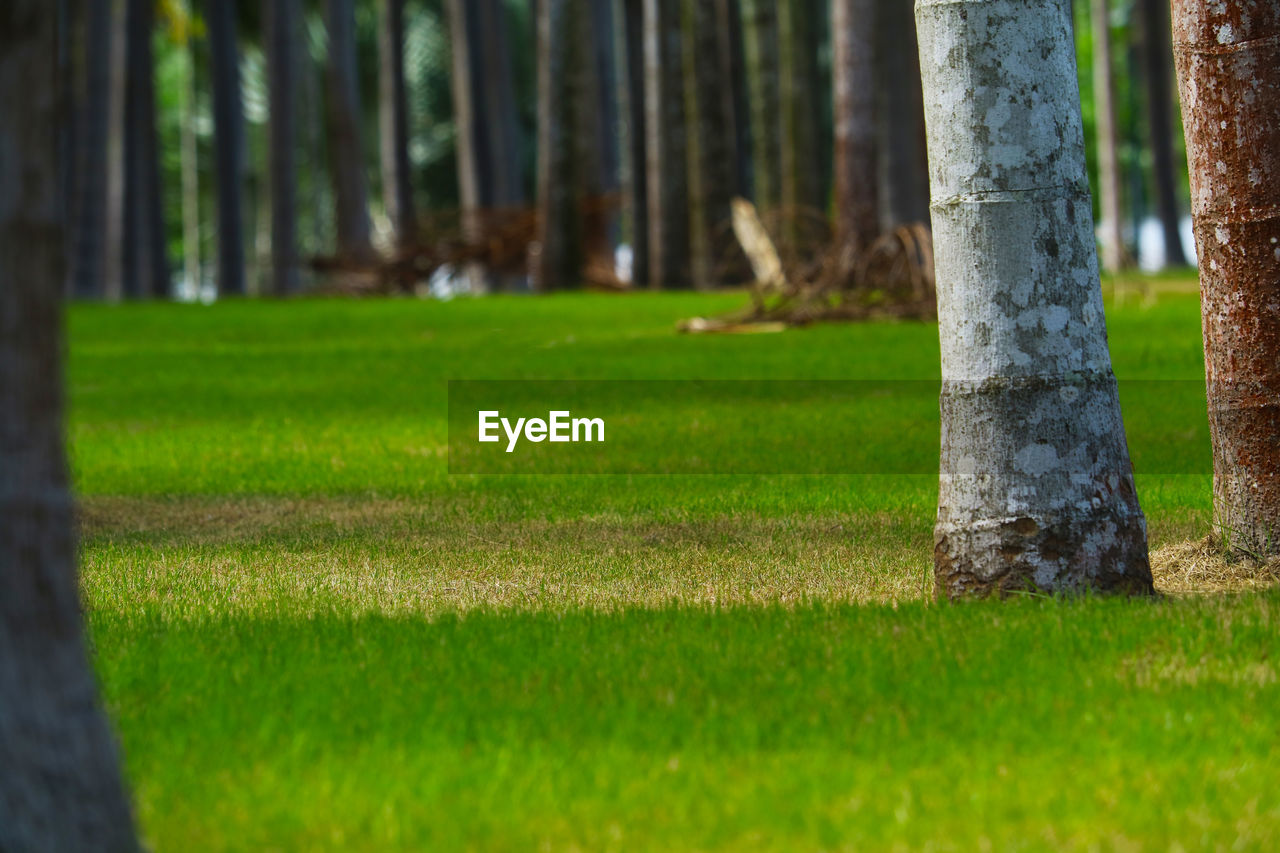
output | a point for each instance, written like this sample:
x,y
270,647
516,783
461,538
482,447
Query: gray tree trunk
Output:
x,y
397,190
60,787
798,57
856,172
89,207
636,195
228,144
146,254
283,34
1228,58
565,154
760,39
346,149
1159,79
1104,101
710,113
670,247
1036,487
904,163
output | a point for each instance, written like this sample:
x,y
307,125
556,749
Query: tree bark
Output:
x,y
564,153
1104,99
1228,60
798,56
1036,487
283,33
146,259
636,196
760,37
397,190
856,172
667,147
61,787
1159,73
735,73
346,149
114,233
710,115
904,163
228,144
88,256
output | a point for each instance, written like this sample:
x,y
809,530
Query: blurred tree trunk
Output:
x,y
666,146
601,226
636,195
730,12
89,206
1048,507
283,34
190,178
856,173
566,155
146,251
502,119
61,787
228,144
393,109
760,38
1113,250
467,77
113,269
710,116
801,159
346,150
1157,37
904,183
1228,59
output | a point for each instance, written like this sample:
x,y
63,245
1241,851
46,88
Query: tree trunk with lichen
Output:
x,y
60,783
1228,59
1036,488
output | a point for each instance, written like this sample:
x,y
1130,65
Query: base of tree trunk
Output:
x,y
1103,552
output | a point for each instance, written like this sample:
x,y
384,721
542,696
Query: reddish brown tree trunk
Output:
x,y
60,784
1228,58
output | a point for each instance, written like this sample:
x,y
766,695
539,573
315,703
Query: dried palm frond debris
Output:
x,y
803,275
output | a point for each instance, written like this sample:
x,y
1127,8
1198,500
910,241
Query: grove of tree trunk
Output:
x,y
393,112
60,782
346,149
228,144
283,32
856,167
1228,60
635,192
146,253
1036,488
760,40
1156,37
670,247
1104,100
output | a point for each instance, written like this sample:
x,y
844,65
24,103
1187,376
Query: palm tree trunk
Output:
x,y
61,787
1113,251
1228,59
228,144
1159,73
666,146
856,173
146,249
346,149
636,195
904,186
397,191
283,32
760,37
1036,488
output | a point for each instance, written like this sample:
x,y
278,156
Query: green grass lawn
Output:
x,y
311,635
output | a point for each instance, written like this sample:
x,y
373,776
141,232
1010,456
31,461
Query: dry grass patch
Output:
x,y
1202,567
